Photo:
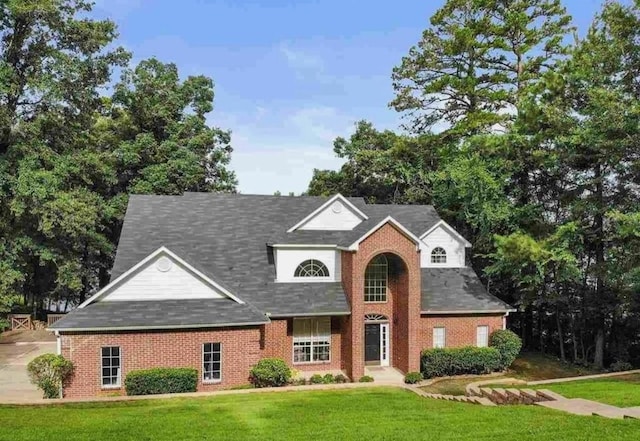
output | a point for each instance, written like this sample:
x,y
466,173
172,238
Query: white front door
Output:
x,y
384,344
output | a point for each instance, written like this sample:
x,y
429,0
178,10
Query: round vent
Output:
x,y
164,264
336,207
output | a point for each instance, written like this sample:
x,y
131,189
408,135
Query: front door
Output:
x,y
372,343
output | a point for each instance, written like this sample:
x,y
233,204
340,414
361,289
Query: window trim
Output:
x,y
487,336
386,281
441,254
311,339
111,386
312,261
213,381
444,337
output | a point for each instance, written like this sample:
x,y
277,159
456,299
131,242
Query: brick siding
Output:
x,y
460,329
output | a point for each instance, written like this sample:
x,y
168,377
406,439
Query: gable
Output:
x,y
337,214
443,236
161,276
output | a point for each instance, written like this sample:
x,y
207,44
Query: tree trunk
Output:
x,y
598,224
598,356
560,334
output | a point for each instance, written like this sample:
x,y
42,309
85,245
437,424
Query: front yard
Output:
x,y
375,413
622,391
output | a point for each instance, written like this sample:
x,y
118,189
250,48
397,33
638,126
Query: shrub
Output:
x,y
49,372
270,372
316,379
161,381
366,379
459,361
620,366
328,379
508,344
413,377
298,382
340,379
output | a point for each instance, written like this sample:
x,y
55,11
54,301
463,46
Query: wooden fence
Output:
x,y
52,318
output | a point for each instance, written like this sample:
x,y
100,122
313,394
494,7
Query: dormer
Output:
x,y
442,246
337,214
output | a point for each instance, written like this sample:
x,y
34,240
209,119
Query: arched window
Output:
x,y
438,255
311,268
375,280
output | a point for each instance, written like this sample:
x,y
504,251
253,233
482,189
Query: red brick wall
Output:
x,y
279,343
405,293
460,329
143,350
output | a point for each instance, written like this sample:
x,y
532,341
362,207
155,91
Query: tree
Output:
x,y
474,61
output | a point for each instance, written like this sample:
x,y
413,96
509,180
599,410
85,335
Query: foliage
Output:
x,y
341,378
161,381
366,379
413,377
442,362
72,147
620,366
508,345
270,372
316,379
49,372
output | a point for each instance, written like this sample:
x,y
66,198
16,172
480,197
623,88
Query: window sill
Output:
x,y
376,303
113,387
211,381
307,363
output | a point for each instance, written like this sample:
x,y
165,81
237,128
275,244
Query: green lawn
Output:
x,y
623,391
372,413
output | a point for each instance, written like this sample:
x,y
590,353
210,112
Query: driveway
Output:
x,y
14,382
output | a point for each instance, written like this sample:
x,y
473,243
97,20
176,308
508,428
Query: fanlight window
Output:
x,y
375,318
311,268
438,255
375,280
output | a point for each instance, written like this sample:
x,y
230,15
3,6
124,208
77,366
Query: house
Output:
x,y
219,281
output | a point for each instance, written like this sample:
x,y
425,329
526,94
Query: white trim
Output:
x,y
304,246
492,311
313,340
384,344
388,219
58,342
504,319
324,206
310,314
140,328
161,250
442,223
202,366
120,360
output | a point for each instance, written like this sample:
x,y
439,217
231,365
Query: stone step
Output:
x,y
549,395
473,391
580,406
484,401
531,394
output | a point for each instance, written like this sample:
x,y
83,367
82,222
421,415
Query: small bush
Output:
x,y
316,379
366,379
328,379
620,366
459,361
270,372
340,379
298,382
413,377
161,381
508,344
49,372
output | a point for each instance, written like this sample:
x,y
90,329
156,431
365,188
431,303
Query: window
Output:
x,y
439,337
438,255
111,366
482,336
311,268
311,340
375,280
211,362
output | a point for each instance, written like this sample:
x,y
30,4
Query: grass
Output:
x,y
622,391
371,413
530,366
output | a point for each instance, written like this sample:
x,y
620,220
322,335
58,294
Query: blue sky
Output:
x,y
289,76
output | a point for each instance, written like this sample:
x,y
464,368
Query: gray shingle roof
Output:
x,y
191,313
456,289
226,237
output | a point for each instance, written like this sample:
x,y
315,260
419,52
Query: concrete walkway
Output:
x,y
385,374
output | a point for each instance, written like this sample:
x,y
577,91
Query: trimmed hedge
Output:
x,y
459,361
161,381
270,372
49,372
413,378
508,344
